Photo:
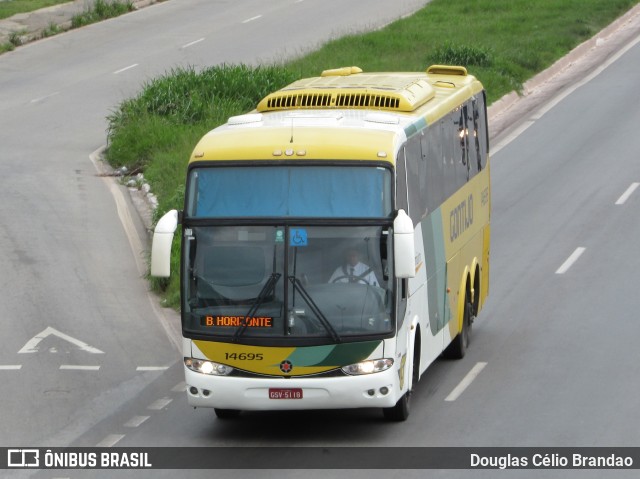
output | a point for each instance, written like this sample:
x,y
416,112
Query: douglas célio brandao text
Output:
x,y
551,461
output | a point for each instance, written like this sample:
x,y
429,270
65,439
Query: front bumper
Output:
x,y
252,394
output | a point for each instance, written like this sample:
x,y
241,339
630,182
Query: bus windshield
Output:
x,y
289,191
288,281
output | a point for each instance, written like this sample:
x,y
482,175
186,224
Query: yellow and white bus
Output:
x,y
335,242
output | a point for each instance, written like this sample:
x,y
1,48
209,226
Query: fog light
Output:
x,y
206,392
384,390
193,390
371,392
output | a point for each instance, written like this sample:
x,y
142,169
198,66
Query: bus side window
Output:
x,y
473,142
461,165
449,155
401,181
483,132
413,159
434,163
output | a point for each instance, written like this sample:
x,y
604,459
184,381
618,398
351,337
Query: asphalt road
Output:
x,y
80,335
556,341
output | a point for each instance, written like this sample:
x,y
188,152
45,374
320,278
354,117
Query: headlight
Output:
x,y
368,367
207,367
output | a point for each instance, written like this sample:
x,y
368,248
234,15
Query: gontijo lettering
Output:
x,y
461,218
237,321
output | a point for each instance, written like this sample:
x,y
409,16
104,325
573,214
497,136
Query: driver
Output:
x,y
353,271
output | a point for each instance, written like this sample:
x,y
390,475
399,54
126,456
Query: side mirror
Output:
x,y
161,245
403,246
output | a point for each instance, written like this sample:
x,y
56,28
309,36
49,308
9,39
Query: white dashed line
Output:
x,y
160,404
110,440
190,44
152,368
135,421
180,387
252,19
125,69
75,367
625,196
466,381
42,98
10,367
570,260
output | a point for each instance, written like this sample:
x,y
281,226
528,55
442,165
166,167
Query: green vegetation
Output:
x,y
502,42
101,10
9,8
51,30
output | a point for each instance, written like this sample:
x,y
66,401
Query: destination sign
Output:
x,y
236,321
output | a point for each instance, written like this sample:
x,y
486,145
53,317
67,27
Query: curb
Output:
x,y
32,26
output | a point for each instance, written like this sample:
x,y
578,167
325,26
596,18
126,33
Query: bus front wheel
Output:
x,y
226,413
399,412
460,343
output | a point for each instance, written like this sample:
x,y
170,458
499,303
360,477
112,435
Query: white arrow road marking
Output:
x,y
32,345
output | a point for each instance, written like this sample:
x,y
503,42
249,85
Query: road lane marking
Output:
x,y
76,367
252,19
31,345
110,440
466,381
125,69
190,44
625,196
160,404
42,98
180,387
152,368
135,421
570,260
10,367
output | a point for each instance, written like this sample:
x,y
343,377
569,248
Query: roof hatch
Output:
x,y
349,88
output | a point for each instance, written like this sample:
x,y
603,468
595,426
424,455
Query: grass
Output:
x,y
9,8
102,10
502,42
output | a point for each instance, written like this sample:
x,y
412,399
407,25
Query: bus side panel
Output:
x,y
420,308
465,220
434,256
452,298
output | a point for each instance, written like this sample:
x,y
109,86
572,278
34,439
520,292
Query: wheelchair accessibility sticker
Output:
x,y
297,237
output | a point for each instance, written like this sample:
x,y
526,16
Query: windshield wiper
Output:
x,y
297,285
264,292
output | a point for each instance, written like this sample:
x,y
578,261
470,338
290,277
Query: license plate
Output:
x,y
285,393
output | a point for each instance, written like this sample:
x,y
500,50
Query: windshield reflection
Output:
x,y
337,281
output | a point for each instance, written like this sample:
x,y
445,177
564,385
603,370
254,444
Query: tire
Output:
x,y
227,413
399,412
459,345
